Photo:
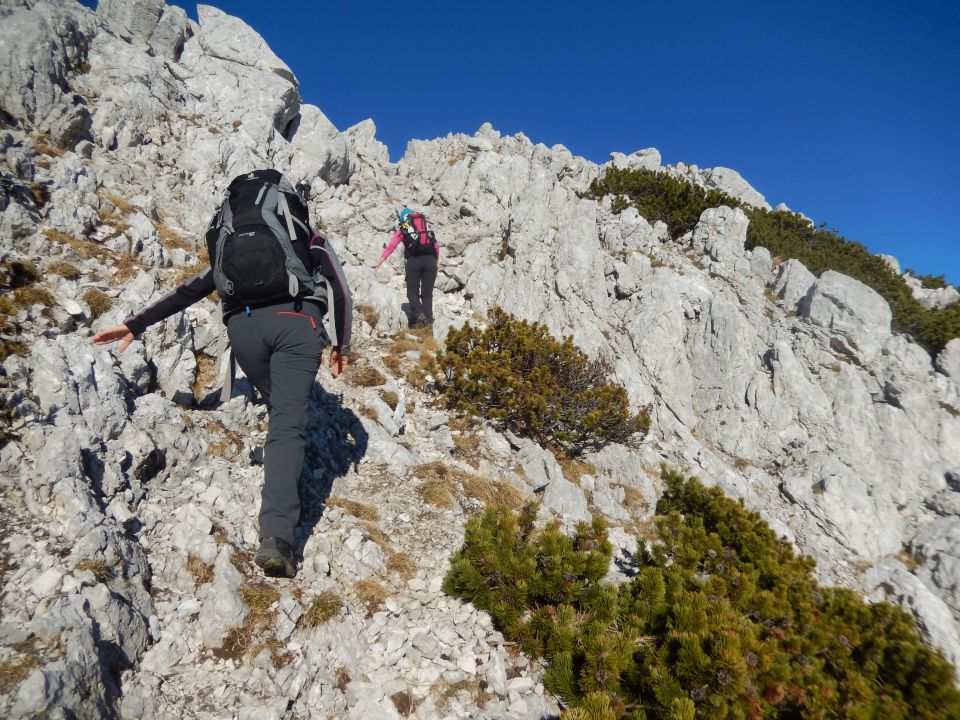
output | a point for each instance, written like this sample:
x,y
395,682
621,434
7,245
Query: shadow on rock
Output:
x,y
336,440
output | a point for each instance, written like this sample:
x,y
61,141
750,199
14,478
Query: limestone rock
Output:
x,y
857,318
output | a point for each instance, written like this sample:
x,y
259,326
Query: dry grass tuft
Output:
x,y
171,239
493,492
393,364
64,269
437,491
221,441
574,469
202,572
371,594
206,374
43,146
258,597
14,672
120,203
33,295
100,569
390,398
12,347
365,376
369,315
98,302
325,607
401,564
352,507
634,499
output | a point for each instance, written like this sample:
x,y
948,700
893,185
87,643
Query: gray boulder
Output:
x,y
855,316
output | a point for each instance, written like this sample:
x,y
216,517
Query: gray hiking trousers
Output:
x,y
420,275
278,347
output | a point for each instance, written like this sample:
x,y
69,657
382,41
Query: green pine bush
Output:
x,y
519,376
679,203
722,620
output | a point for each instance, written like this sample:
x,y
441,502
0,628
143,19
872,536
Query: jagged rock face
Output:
x,y
787,390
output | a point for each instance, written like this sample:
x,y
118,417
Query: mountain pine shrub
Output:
x,y
679,203
518,375
722,620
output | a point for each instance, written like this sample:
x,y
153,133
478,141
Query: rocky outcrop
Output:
x,y
132,497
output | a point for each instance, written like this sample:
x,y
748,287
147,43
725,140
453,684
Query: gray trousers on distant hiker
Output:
x,y
421,274
279,347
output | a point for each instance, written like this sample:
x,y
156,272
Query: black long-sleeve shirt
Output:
x,y
326,266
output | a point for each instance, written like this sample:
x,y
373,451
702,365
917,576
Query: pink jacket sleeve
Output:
x,y
394,241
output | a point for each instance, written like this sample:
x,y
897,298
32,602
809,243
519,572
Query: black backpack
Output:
x,y
259,241
417,241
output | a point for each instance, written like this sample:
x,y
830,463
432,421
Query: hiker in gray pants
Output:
x,y
278,346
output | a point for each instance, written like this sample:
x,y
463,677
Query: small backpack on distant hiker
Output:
x,y
259,241
418,238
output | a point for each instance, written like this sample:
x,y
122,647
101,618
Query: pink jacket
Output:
x,y
398,237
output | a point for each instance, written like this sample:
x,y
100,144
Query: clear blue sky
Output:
x,y
846,111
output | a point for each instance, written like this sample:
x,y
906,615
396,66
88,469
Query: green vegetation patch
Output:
x,y
722,620
679,203
519,376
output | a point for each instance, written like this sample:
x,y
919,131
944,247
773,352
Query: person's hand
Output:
x,y
120,332
377,264
338,362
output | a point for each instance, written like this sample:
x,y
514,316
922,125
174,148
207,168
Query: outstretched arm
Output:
x,y
194,289
394,241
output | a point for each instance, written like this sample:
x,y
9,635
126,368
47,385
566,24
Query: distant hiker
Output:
x,y
422,253
271,271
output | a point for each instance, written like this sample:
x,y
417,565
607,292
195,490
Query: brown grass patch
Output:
x,y
171,239
83,248
12,347
401,564
370,413
202,572
100,569
322,609
258,597
633,498
352,507
493,492
365,376
120,203
437,491
952,409
40,194
33,295
213,130
64,269
223,442
369,315
574,469
393,364
206,374
127,267
98,302
371,594
390,398
14,672
908,559
43,146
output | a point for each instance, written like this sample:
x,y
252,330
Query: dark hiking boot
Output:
x,y
275,558
422,321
